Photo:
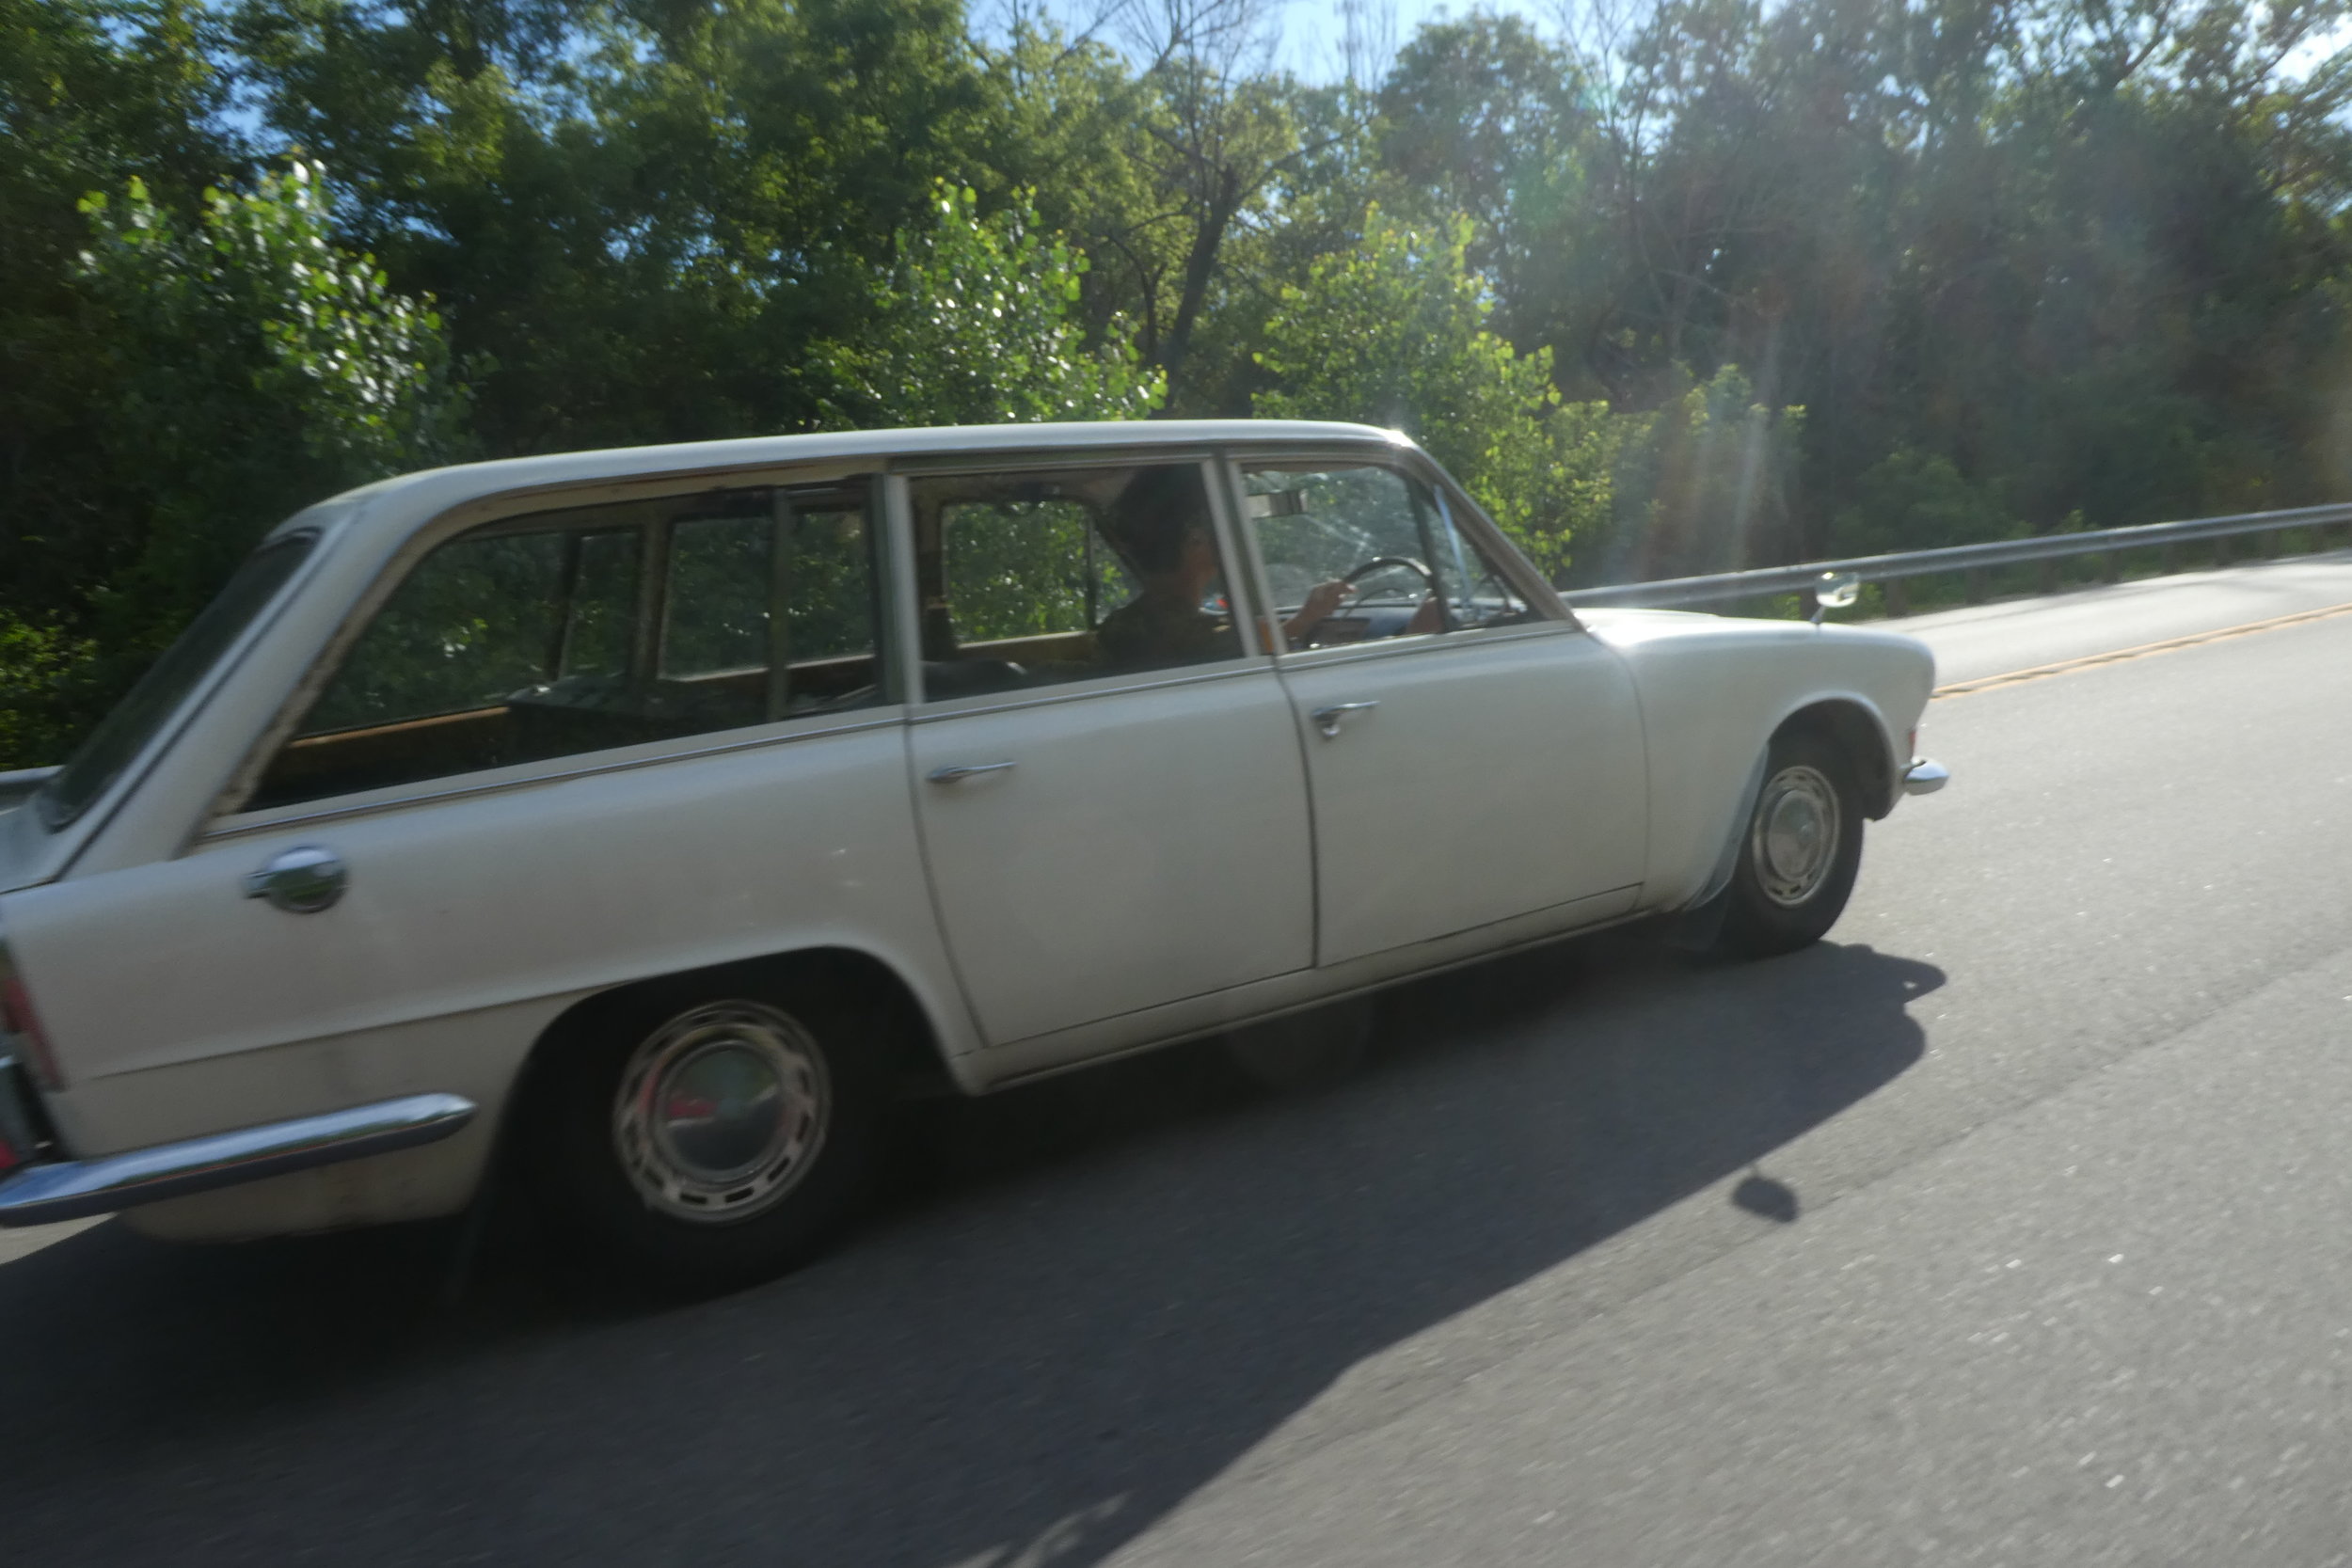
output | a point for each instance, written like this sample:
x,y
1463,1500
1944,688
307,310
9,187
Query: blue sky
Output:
x,y
1310,31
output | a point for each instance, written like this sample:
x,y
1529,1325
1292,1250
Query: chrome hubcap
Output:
x,y
721,1112
1794,841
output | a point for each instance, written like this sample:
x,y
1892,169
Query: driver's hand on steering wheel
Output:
x,y
1323,602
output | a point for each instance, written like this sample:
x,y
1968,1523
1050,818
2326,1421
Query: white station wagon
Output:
x,y
650,818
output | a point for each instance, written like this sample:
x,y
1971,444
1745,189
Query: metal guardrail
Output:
x,y
1767,582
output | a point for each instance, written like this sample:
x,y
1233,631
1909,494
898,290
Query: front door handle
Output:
x,y
964,771
1327,719
301,880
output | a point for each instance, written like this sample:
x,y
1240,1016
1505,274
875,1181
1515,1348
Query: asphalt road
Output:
x,y
2007,1227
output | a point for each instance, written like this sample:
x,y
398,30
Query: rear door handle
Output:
x,y
964,771
1327,719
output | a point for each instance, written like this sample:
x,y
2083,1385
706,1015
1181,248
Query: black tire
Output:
x,y
602,1146
1794,872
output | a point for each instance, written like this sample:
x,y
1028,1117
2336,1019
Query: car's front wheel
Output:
x,y
700,1137
1798,852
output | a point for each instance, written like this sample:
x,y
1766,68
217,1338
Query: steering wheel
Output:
x,y
1380,562
1377,564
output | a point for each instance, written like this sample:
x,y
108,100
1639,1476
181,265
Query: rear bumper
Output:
x,y
68,1189
1924,777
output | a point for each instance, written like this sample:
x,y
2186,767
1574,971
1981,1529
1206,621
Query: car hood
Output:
x,y
1626,628
1631,628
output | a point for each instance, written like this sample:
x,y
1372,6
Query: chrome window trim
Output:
x,y
1078,692
247,825
1425,642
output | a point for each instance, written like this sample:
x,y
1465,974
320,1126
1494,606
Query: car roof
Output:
x,y
409,499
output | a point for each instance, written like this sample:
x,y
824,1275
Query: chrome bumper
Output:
x,y
1924,777
70,1189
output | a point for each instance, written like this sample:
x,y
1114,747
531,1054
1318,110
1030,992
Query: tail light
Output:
x,y
20,1029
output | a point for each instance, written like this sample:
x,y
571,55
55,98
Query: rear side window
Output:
x,y
581,632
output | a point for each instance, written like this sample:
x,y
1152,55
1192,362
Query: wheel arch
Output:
x,y
916,1061
1853,725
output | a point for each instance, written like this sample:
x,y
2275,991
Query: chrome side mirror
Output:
x,y
1834,591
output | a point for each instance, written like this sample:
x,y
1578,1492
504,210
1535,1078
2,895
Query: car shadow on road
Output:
x,y
1099,1295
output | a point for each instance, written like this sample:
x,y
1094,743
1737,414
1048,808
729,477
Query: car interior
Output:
x,y
578,631
601,627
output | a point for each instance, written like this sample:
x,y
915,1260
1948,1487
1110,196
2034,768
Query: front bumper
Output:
x,y
1924,777
53,1190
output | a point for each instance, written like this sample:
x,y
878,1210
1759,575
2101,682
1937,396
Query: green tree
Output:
x,y
1700,483
253,367
1483,115
259,367
92,93
1914,500
644,230
976,323
1394,332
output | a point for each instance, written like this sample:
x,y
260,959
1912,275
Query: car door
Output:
x,y
1470,759
1112,802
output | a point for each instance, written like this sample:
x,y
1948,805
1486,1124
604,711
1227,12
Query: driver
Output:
x,y
1163,530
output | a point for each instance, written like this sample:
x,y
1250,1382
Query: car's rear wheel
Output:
x,y
1798,852
698,1137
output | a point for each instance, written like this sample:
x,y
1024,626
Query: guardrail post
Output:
x,y
2168,559
2049,574
1898,597
2110,565
2222,549
1973,584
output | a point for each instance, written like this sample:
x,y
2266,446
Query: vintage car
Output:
x,y
651,819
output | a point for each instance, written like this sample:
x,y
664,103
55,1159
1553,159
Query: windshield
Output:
x,y
125,731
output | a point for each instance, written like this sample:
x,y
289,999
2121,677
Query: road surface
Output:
x,y
2007,1227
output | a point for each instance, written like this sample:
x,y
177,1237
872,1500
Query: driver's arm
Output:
x,y
1322,601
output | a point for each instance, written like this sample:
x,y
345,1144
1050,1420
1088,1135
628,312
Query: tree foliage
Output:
x,y
1691,284
976,323
257,365
250,365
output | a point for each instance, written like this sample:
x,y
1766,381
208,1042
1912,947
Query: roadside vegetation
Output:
x,y
1682,288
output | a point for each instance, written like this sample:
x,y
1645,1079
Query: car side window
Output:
x,y
1357,552
538,638
1035,579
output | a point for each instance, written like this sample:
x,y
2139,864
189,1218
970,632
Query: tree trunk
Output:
x,y
1200,266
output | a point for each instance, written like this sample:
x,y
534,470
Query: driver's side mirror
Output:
x,y
1834,591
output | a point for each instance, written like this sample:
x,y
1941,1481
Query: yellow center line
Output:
x,y
2068,666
